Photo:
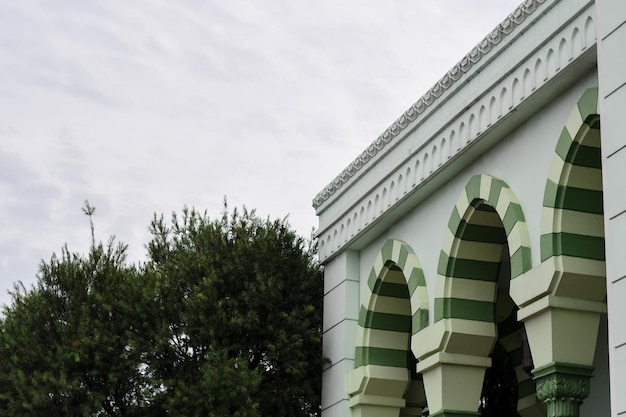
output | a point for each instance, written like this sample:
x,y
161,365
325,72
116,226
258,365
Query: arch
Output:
x,y
363,216
445,150
551,64
385,288
577,41
436,160
408,179
572,232
527,84
396,307
505,101
401,189
483,120
493,111
463,137
486,245
515,92
590,32
541,74
473,129
486,191
564,55
454,143
418,176
427,166
387,196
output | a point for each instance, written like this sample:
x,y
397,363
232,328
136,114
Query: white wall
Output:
x,y
522,160
611,34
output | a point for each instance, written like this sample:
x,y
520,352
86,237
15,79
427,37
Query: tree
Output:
x,y
69,345
223,320
239,323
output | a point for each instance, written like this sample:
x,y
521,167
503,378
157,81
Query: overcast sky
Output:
x,y
145,106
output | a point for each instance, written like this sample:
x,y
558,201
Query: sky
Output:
x,y
143,107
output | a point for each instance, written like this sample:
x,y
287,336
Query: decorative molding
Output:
x,y
563,387
559,386
483,48
447,141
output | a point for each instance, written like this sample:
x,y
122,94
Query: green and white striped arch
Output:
x,y
486,220
572,227
472,250
397,307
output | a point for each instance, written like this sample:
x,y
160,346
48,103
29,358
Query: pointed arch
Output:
x,y
505,101
572,232
473,130
490,192
436,160
493,111
551,64
418,175
564,54
396,307
445,150
396,280
486,243
454,143
515,92
541,74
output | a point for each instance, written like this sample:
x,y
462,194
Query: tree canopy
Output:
x,y
223,319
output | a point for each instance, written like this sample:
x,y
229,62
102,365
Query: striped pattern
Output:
x,y
397,308
486,236
572,228
484,219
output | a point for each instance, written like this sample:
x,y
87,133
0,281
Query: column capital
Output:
x,y
563,387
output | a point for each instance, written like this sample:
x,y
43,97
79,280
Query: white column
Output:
x,y
341,315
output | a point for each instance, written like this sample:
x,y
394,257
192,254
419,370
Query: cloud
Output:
x,y
143,107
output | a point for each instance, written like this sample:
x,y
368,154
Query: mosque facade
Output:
x,y
488,221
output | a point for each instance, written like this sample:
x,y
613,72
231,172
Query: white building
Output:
x,y
490,213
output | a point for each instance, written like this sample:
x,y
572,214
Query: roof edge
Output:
x,y
482,49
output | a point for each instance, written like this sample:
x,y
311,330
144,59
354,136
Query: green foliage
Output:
x,y
223,320
69,344
247,291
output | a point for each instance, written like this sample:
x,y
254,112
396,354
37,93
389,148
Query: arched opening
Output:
x,y
573,228
486,246
384,377
572,273
482,260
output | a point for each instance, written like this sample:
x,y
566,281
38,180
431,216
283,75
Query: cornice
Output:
x,y
508,88
482,49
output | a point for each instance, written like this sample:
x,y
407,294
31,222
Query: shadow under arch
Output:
x,y
384,379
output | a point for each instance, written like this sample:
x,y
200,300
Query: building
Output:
x,y
490,213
